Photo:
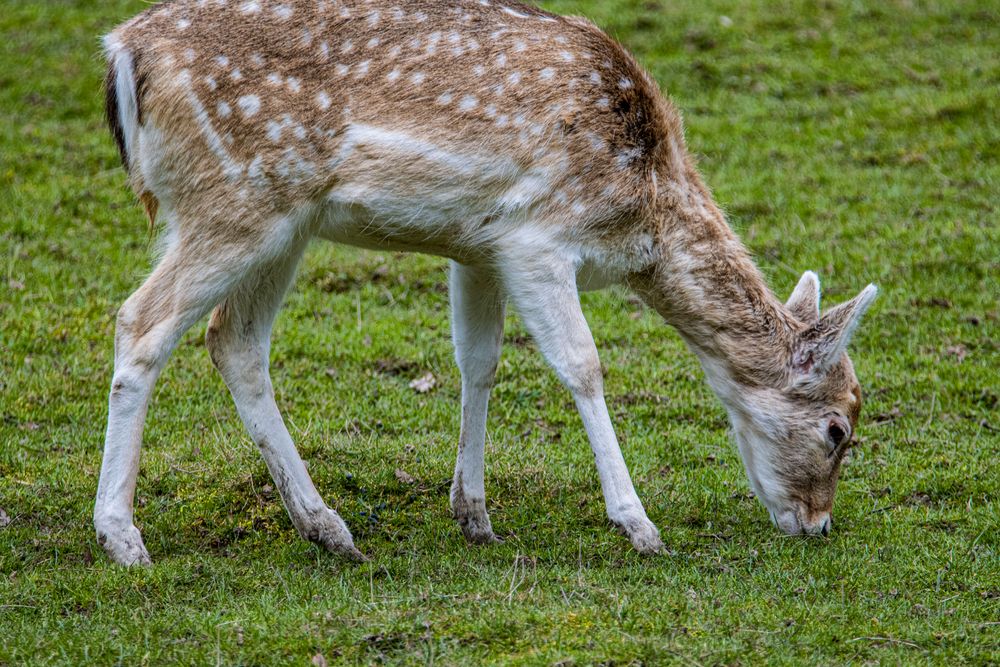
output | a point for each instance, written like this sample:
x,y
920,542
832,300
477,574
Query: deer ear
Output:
x,y
824,342
804,301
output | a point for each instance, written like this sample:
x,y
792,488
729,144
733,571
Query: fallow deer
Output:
x,y
528,148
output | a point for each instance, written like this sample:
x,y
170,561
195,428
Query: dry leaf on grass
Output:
x,y
424,383
958,351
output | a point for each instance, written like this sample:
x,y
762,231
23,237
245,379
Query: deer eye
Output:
x,y
837,433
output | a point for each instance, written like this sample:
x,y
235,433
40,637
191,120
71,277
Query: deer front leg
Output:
x,y
543,288
182,288
238,339
477,331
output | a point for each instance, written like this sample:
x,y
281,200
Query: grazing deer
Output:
x,y
528,148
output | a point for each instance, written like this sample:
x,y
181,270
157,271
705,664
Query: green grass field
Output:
x,y
861,140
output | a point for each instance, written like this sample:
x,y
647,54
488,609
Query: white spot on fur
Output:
x,y
490,111
567,56
341,69
324,50
274,129
307,37
374,18
221,61
274,79
294,85
432,41
323,100
257,60
394,52
224,110
249,105
256,171
514,78
625,83
418,78
392,76
183,24
211,83
347,46
625,158
419,17
362,68
294,168
595,78
519,46
250,7
547,74
373,42
236,74
501,60
189,55
603,103
283,12
445,98
531,186
478,70
468,103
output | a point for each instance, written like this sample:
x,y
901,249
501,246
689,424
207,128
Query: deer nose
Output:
x,y
821,526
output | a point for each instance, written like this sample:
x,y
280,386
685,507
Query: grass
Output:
x,y
858,139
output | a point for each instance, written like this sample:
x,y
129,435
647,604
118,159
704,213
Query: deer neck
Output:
x,y
704,284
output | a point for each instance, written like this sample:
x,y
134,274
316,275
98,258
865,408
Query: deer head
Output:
x,y
793,437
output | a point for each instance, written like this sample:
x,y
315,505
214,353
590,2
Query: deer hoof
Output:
x,y
329,531
124,545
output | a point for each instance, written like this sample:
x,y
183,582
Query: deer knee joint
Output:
x,y
584,377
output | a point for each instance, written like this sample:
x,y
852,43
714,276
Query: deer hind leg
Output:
x,y
238,339
182,288
477,330
542,286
